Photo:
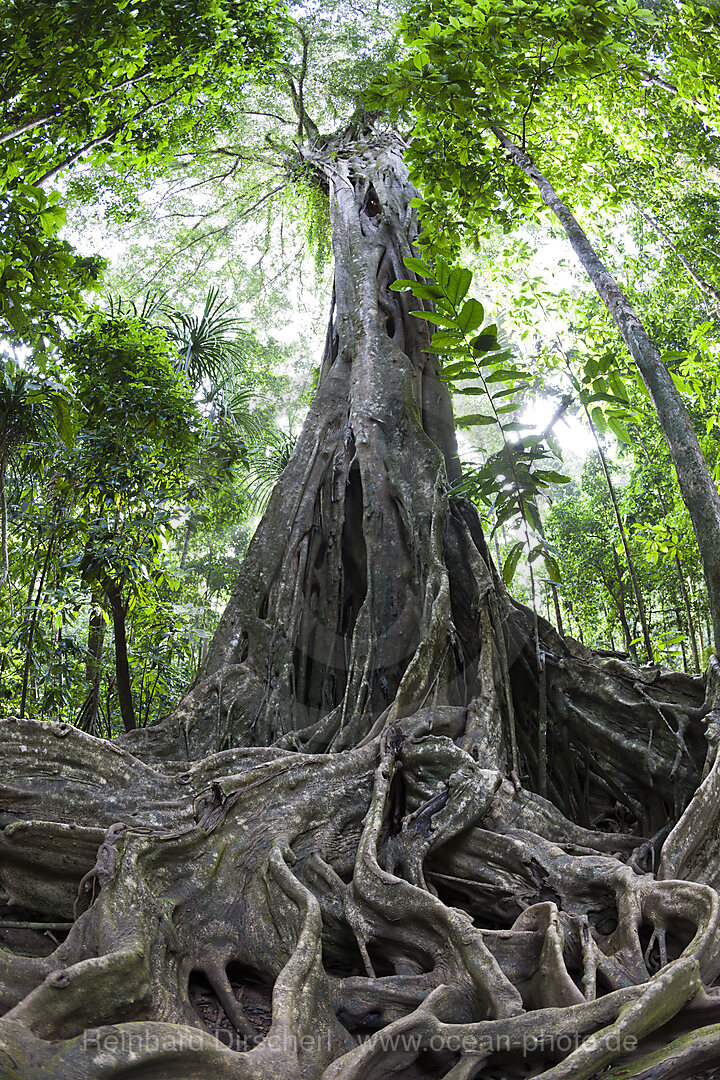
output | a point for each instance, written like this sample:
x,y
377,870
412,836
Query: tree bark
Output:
x,y
696,483
122,664
87,719
35,615
629,561
680,573
688,614
329,862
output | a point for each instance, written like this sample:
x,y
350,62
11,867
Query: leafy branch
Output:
x,y
511,481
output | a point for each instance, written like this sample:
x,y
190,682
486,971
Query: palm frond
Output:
x,y
266,464
207,342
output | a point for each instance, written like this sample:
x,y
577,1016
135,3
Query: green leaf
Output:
x,y
471,316
553,567
599,418
444,339
484,343
426,292
418,266
500,357
508,513
620,431
511,562
442,272
679,382
418,288
460,369
509,390
505,375
63,420
553,477
475,420
436,317
532,514
458,285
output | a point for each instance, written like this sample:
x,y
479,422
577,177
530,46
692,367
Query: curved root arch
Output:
x,y
355,919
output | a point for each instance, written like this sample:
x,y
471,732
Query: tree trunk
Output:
x,y
629,561
329,861
5,575
696,483
619,602
704,286
87,719
122,665
680,573
189,530
34,616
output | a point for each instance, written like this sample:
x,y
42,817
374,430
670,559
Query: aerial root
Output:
x,y
535,988
93,991
463,800
217,977
590,1032
627,1014
552,984
659,938
305,1034
685,1058
19,975
589,957
428,1027
692,850
431,935
665,905
660,1000
105,1053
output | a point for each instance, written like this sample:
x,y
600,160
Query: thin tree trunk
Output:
x,y
680,628
33,623
93,669
553,588
189,530
122,666
616,509
3,532
703,285
619,602
624,541
689,615
680,573
696,483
